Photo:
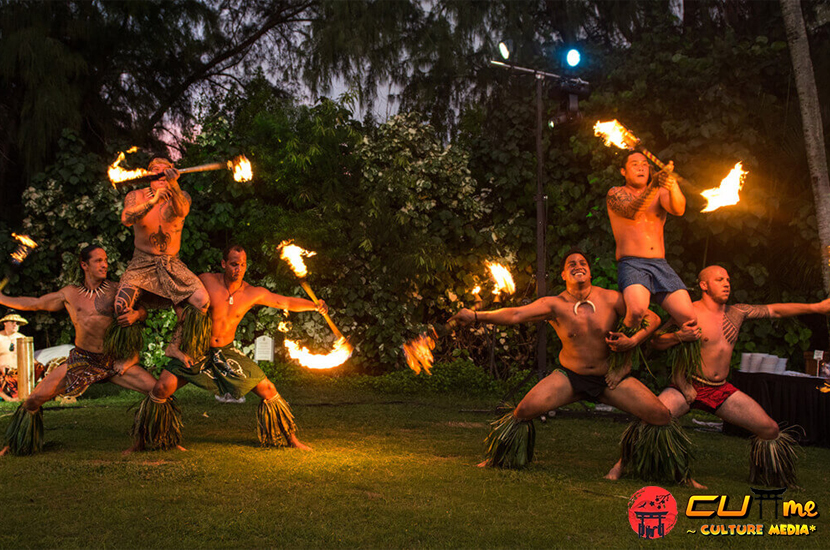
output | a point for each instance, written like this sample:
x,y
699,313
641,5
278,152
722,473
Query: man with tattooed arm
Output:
x,y
90,306
157,214
717,329
637,211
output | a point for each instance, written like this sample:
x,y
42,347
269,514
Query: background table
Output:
x,y
790,401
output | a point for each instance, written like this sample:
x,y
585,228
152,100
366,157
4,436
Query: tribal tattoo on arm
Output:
x,y
125,299
734,316
623,203
134,212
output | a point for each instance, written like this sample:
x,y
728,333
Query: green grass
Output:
x,y
387,472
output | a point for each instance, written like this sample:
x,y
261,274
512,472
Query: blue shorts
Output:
x,y
653,273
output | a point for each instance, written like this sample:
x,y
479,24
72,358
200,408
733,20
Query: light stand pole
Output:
x,y
541,211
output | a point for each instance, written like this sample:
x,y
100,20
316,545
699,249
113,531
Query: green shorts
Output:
x,y
222,370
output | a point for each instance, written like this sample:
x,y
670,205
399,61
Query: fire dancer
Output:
x,y
224,369
637,211
157,214
772,456
90,307
584,317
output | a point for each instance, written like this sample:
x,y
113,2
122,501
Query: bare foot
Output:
x,y
615,472
5,450
695,485
297,444
135,448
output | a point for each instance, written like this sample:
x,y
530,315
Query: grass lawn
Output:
x,y
387,472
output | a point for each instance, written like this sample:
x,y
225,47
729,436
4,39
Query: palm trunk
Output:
x,y
811,122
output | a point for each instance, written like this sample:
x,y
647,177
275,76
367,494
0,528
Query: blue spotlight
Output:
x,y
573,57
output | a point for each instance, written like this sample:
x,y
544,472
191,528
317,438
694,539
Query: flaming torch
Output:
x,y
293,254
24,248
120,178
503,279
618,135
727,193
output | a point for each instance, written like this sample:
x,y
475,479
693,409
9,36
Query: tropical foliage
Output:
x,y
404,213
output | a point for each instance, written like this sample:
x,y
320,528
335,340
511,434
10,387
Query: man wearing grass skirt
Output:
x,y
223,369
637,211
156,274
584,317
90,307
773,458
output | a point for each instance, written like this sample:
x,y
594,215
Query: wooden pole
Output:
x,y
25,366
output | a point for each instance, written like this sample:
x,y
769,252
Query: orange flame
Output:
x,y
615,134
418,353
241,168
118,174
293,254
502,277
336,357
727,194
24,248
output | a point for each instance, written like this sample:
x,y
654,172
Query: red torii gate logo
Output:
x,y
652,512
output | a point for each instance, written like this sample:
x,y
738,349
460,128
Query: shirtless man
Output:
x,y
717,328
637,211
225,369
157,214
585,318
90,306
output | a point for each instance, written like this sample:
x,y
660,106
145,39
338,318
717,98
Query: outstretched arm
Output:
x,y
540,310
54,301
790,310
271,299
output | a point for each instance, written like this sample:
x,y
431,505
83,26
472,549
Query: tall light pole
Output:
x,y
541,200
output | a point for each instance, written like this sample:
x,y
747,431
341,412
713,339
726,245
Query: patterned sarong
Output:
x,y
84,368
165,276
222,370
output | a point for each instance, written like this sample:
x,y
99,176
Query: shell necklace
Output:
x,y
97,291
585,301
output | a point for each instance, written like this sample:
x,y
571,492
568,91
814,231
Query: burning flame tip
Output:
x,y
118,174
336,357
728,193
502,277
293,254
418,353
615,134
241,168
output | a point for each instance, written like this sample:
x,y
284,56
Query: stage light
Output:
x,y
505,48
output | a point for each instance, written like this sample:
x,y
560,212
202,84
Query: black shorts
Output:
x,y
589,385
